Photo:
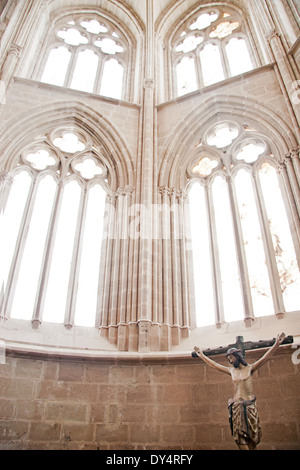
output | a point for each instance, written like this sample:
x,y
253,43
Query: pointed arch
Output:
x,y
192,128
20,131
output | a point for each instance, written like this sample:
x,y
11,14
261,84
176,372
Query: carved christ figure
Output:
x,y
243,416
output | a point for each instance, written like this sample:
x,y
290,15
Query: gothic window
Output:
x,y
86,52
51,231
210,46
244,252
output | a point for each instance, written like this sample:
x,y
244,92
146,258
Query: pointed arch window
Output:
x,y
51,231
214,44
238,214
86,52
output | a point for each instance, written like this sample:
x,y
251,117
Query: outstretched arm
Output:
x,y
268,354
210,362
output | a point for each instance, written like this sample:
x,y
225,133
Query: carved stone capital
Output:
x,y
149,83
271,34
295,153
5,177
15,50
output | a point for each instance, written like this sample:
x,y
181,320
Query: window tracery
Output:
x,y
210,46
247,228
88,53
52,231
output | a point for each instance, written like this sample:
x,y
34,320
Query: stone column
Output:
x,y
25,17
290,168
103,316
8,69
287,80
146,197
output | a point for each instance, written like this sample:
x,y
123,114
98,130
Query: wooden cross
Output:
x,y
244,346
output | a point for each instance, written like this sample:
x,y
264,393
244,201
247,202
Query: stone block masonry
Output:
x,y
156,405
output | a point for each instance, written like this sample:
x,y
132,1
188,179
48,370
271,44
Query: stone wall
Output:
x,y
155,404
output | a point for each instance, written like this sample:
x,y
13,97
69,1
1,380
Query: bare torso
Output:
x,y
242,382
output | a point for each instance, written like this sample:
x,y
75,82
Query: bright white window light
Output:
x,y
112,79
238,56
72,37
41,159
211,64
10,223
253,246
108,46
61,260
94,27
87,293
88,168
69,143
204,295
204,20
30,269
288,268
250,152
189,44
230,278
186,76
56,67
85,71
223,135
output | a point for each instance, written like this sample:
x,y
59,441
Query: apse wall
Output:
x,y
140,403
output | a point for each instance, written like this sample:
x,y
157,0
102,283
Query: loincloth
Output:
x,y
244,421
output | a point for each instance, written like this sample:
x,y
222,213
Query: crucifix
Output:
x,y
243,415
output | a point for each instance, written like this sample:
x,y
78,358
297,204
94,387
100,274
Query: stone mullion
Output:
x,y
43,279
268,244
71,67
241,256
76,259
217,281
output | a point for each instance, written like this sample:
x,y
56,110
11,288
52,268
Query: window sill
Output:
x,y
34,84
219,85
